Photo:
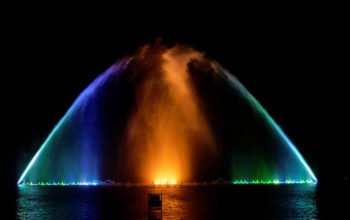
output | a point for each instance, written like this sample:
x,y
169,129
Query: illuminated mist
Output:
x,y
167,114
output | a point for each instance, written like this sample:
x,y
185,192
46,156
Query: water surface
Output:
x,y
190,202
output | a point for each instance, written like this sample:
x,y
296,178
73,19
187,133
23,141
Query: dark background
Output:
x,y
294,62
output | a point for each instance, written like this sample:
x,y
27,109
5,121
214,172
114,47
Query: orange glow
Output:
x,y
167,121
164,181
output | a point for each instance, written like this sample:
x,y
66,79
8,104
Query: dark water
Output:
x,y
201,202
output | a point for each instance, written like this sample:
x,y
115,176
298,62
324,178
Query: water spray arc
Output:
x,y
166,115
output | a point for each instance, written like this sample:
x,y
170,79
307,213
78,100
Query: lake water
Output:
x,y
187,202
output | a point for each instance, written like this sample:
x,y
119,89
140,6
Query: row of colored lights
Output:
x,y
91,183
59,184
274,182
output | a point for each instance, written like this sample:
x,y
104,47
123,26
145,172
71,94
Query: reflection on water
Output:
x,y
201,202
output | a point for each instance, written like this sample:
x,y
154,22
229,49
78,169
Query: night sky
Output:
x,y
294,64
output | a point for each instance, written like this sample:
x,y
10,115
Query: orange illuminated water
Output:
x,y
165,122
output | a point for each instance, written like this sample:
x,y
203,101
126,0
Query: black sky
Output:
x,y
294,64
